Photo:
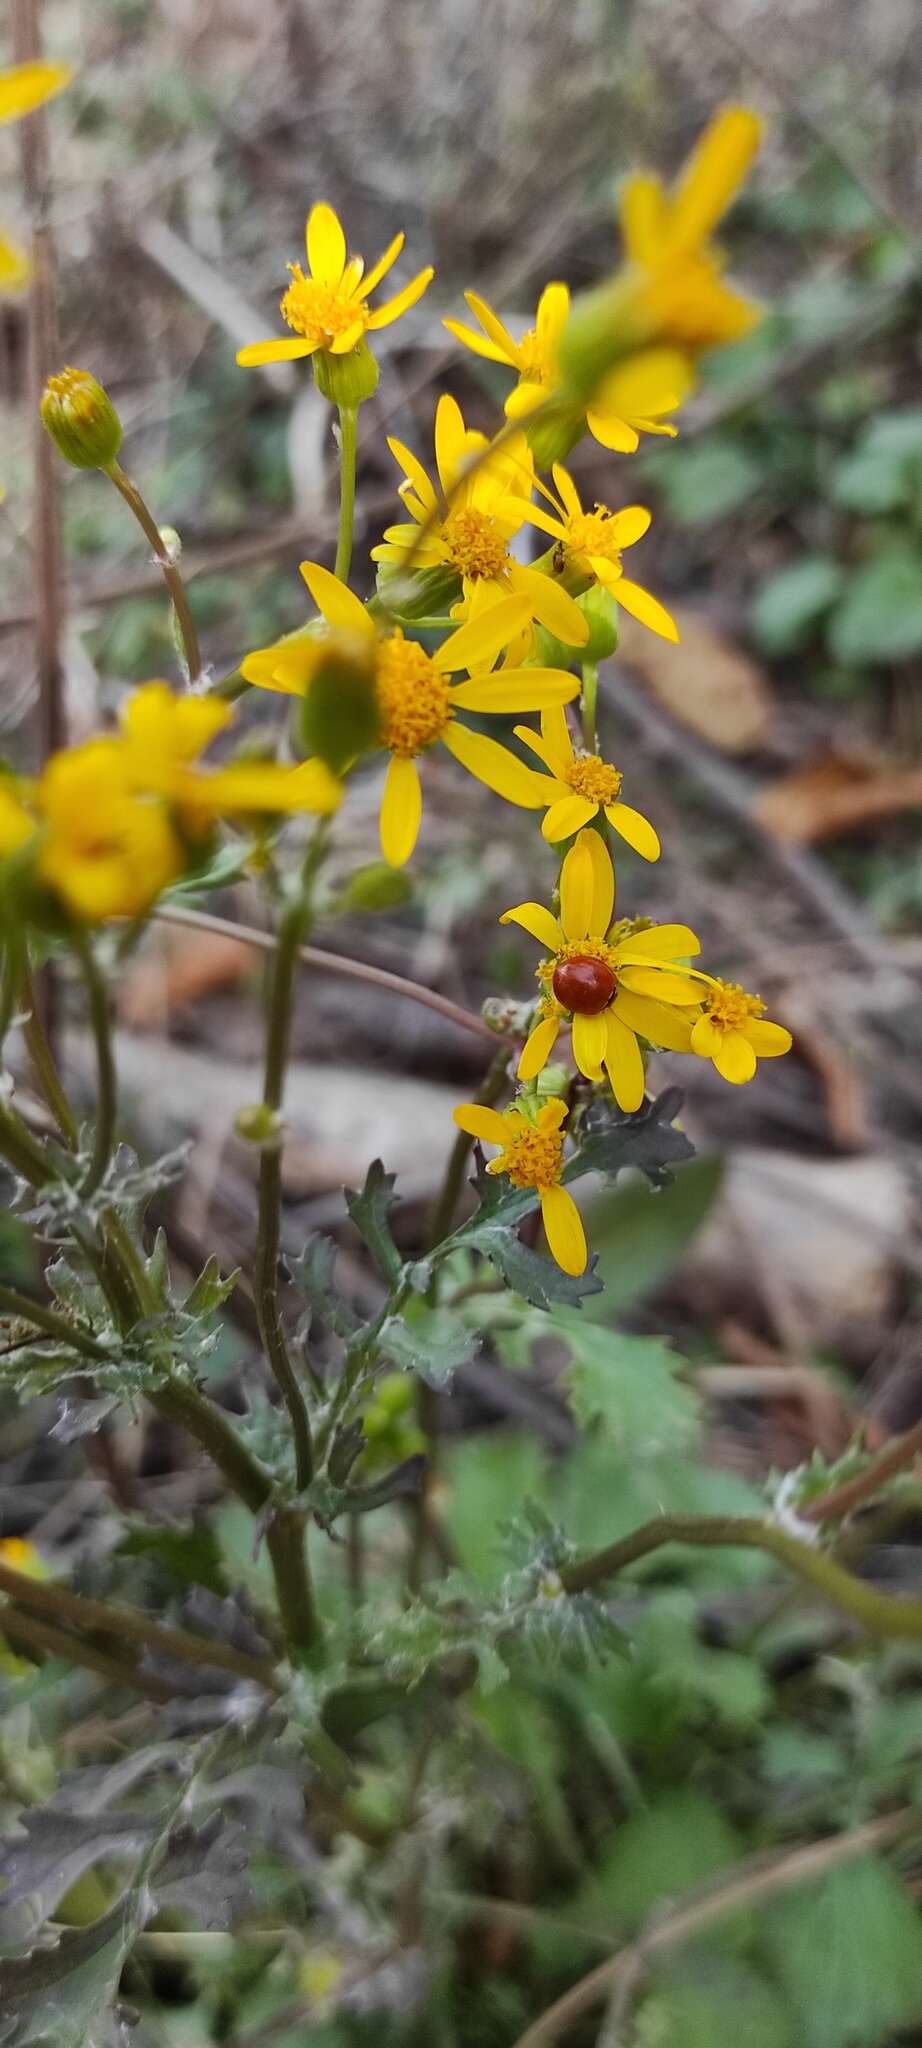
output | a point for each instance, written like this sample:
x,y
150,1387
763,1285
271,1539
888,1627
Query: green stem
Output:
x,y
348,417
21,1151
27,1632
46,1073
588,702
882,1614
171,576
106,1083
268,1238
92,1617
12,1303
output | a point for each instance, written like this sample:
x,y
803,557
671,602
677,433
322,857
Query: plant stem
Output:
x,y
26,1632
281,990
12,1303
43,1063
840,1500
588,701
348,417
21,1150
171,576
93,1617
883,1614
107,1088
443,1214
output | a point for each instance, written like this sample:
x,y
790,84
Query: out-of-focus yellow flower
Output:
x,y
582,784
467,525
531,1140
108,850
734,1032
611,985
16,825
667,237
417,700
327,307
651,385
22,1556
591,544
23,87
163,735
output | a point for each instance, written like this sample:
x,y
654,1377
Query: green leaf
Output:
x,y
192,1555
705,483
880,616
211,1290
848,1951
490,1477
680,1841
640,1239
377,887
370,1210
536,1279
313,1274
630,1385
723,2002
791,604
648,1140
54,1997
429,1341
884,473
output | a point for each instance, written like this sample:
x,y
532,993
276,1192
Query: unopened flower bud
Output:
x,y
553,1080
258,1124
340,717
348,379
604,326
81,419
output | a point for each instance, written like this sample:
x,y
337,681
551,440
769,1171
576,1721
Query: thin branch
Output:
x,y
26,1632
12,1303
331,963
840,1500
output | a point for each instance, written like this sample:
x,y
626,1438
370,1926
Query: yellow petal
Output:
x,y
658,982
646,385
647,609
711,176
515,690
630,525
479,1122
655,1021
493,326
612,432
590,1043
414,471
286,667
477,643
768,1041
383,265
556,732
662,942
624,1065
14,266
402,300
326,245
603,881
338,604
548,522
26,86
450,438
538,922
283,350
706,1038
495,766
635,829
563,1228
569,495
401,810
576,891
551,606
538,1048
262,786
538,745
641,208
550,321
344,342
566,816
734,1058
524,398
477,343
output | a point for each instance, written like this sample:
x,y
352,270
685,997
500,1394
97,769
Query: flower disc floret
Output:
x,y
321,312
589,776
730,1008
413,694
475,545
533,1154
733,1031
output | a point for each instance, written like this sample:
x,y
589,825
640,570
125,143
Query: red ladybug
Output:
x,y
584,986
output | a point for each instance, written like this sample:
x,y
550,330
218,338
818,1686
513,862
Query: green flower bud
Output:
x,y
601,612
81,419
346,380
604,325
377,887
554,434
258,1124
423,594
339,717
553,1080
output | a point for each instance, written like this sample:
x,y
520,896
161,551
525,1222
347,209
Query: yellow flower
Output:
x,y
684,298
591,545
733,1031
610,984
582,784
651,384
16,826
327,308
164,733
417,701
108,850
23,88
532,1156
22,1556
468,524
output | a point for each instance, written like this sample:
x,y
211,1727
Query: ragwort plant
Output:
x,y
92,845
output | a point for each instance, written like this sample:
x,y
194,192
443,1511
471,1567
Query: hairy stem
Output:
x,y
44,1068
588,701
348,417
27,1632
268,1309
12,1303
94,1617
106,1081
171,576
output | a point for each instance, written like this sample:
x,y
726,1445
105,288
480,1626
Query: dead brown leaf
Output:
x,y
835,793
707,682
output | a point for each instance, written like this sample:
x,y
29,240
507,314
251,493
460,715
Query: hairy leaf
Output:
x,y
312,1272
370,1210
429,1341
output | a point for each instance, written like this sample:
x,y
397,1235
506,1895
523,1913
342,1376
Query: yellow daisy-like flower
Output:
x,y
108,850
163,735
417,700
23,87
611,985
532,1156
650,385
734,1032
327,307
16,825
467,525
581,785
591,545
685,299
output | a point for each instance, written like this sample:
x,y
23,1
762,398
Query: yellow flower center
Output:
x,y
531,1158
537,366
590,533
321,312
475,546
593,778
413,696
730,1008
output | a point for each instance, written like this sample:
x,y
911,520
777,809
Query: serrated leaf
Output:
x,y
370,1210
211,1290
191,1555
631,1386
429,1341
537,1279
862,1922
312,1272
48,1851
647,1141
54,1997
